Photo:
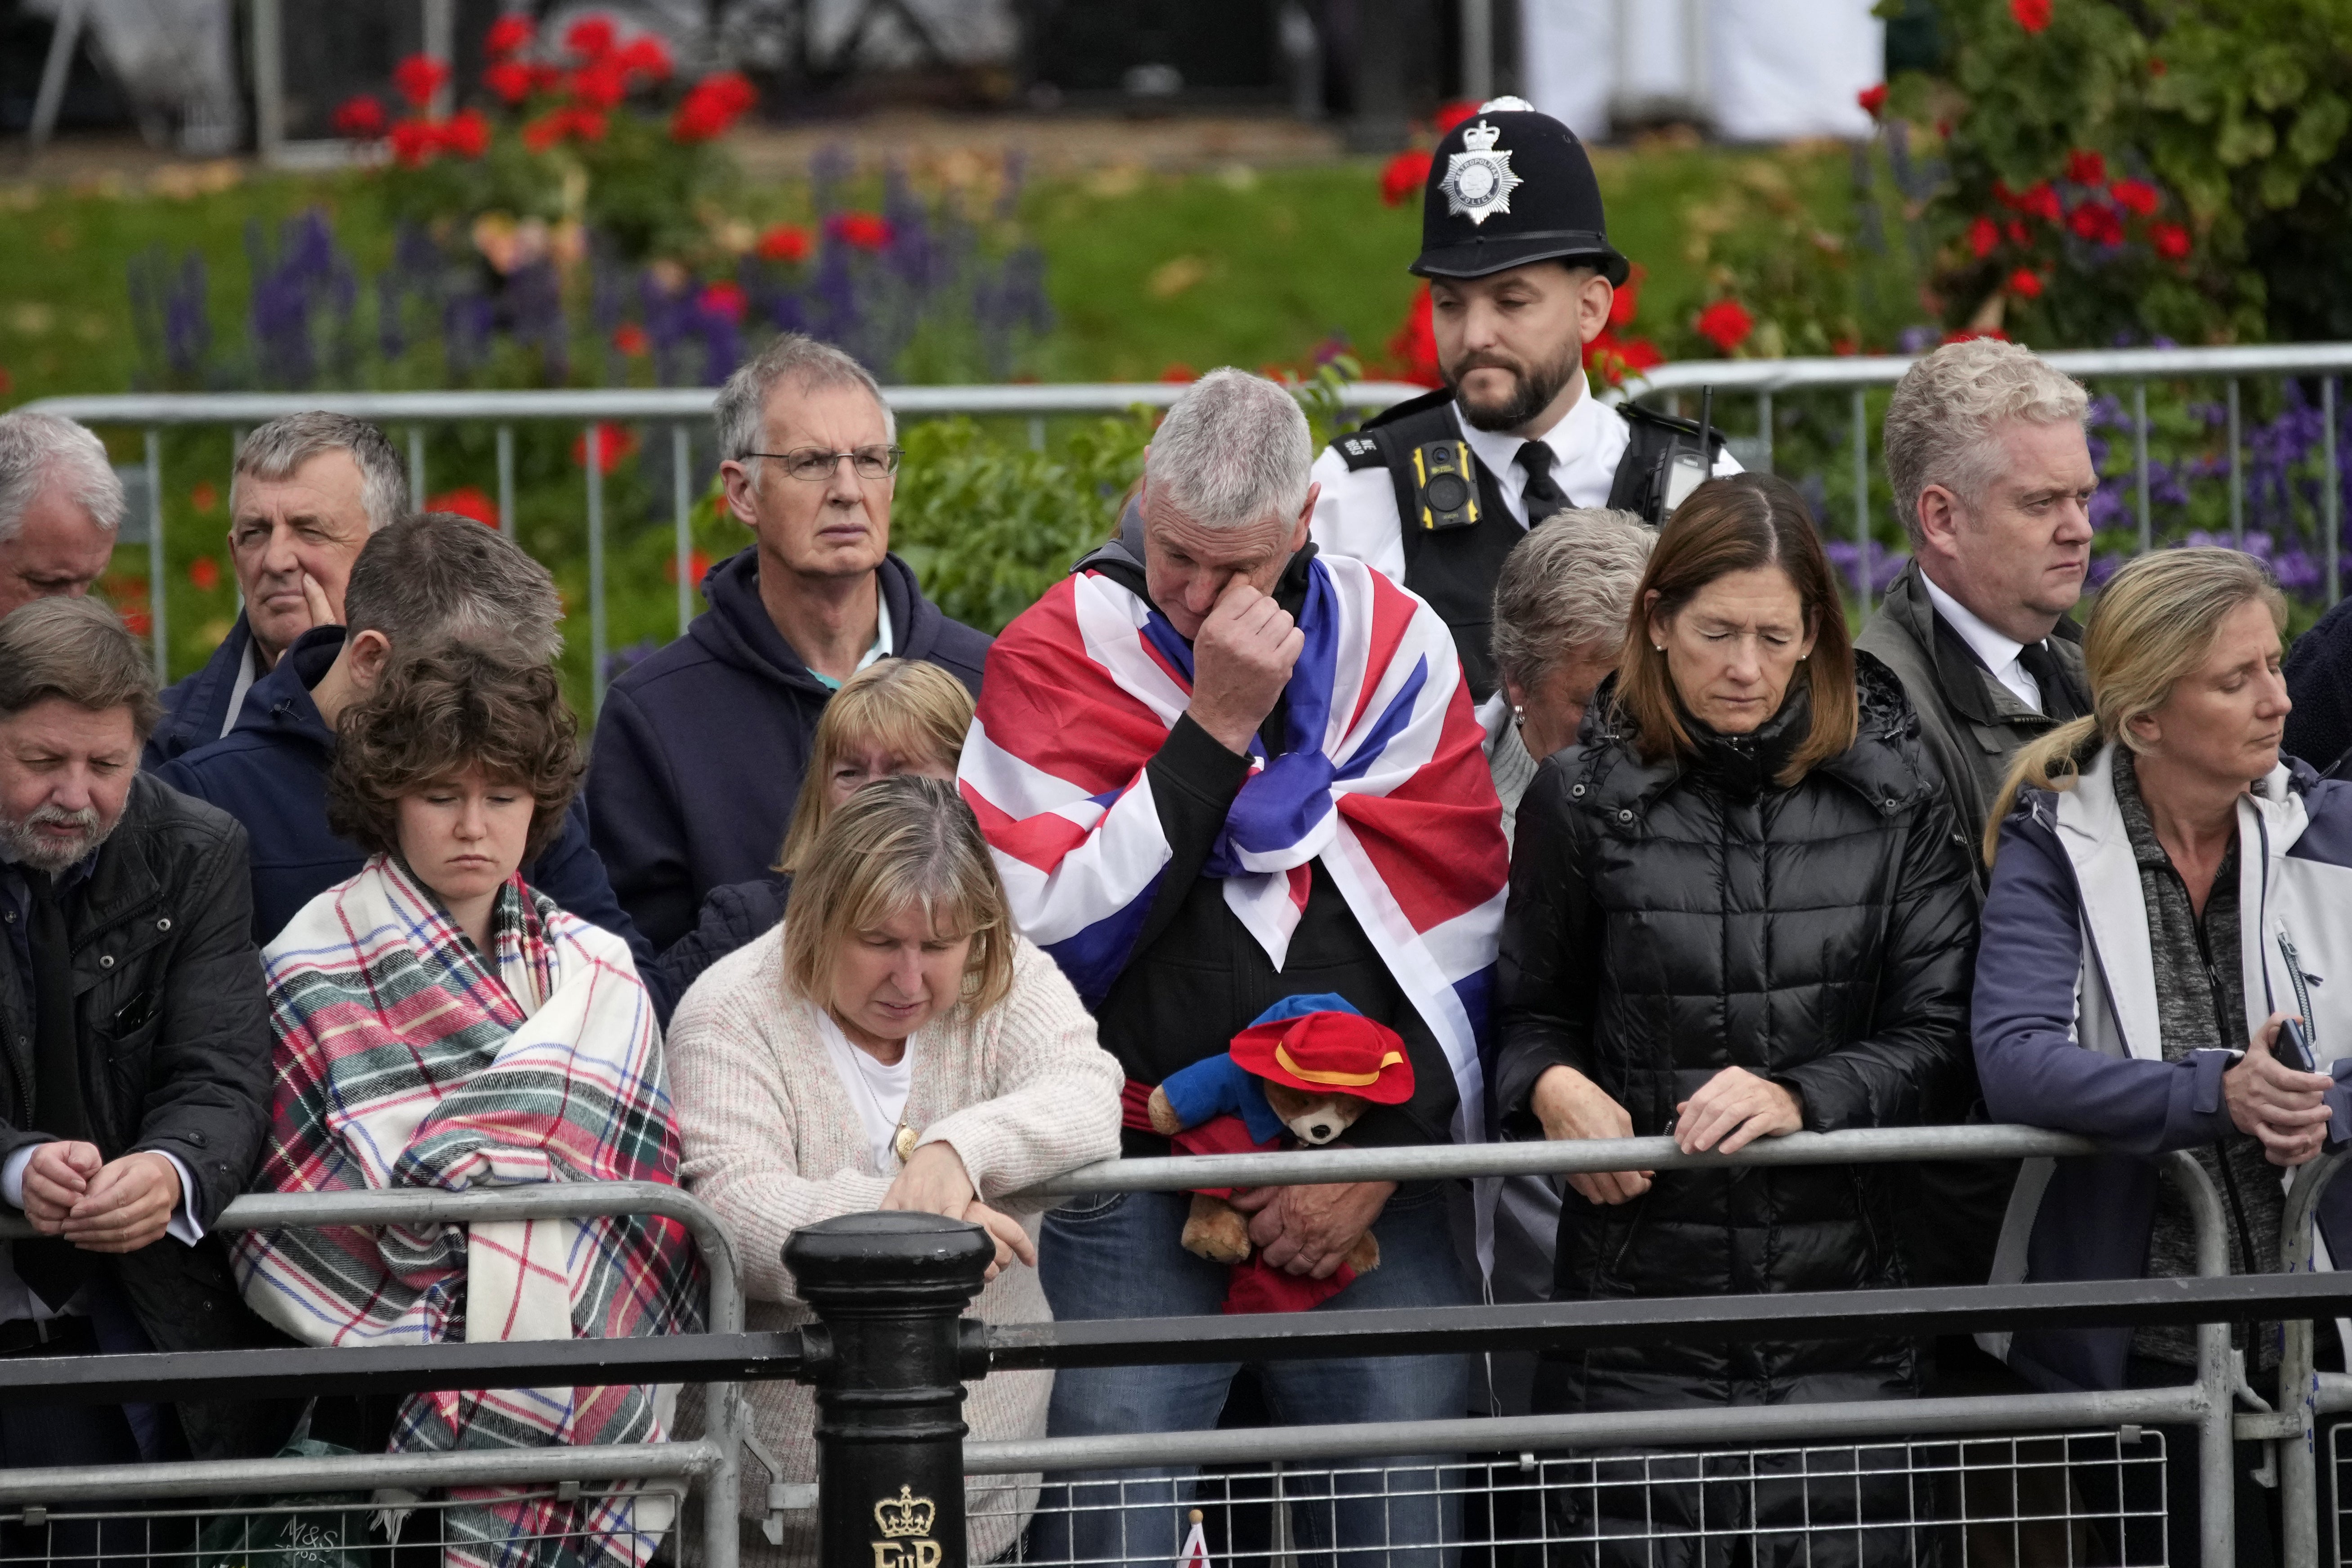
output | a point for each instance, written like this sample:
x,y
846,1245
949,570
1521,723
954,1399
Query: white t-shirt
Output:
x,y
878,1092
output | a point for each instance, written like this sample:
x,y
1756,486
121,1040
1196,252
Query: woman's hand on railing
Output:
x,y
1570,1105
933,1181
1736,1107
1012,1240
2270,1100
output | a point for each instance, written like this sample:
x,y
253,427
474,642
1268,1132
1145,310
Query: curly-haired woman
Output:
x,y
440,1025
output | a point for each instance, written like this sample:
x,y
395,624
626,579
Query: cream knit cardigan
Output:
x,y
773,1141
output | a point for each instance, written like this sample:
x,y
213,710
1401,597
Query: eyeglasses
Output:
x,y
815,465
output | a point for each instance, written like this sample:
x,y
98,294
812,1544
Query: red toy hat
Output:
x,y
1326,1051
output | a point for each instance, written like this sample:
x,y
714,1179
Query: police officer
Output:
x,y
1435,492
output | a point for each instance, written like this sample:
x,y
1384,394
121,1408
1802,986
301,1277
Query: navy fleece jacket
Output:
x,y
701,746
270,774
194,708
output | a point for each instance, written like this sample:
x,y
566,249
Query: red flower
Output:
x,y
585,124
1627,300
647,57
2156,66
2031,14
2041,202
1414,346
419,77
2025,284
204,495
599,84
2136,196
590,39
360,118
204,573
506,34
1984,235
467,133
1453,114
1403,177
2086,168
2171,240
710,106
467,500
615,444
2098,222
1845,348
1614,357
1726,324
1873,100
1178,373
2017,232
512,80
545,76
859,230
546,131
783,242
698,566
629,338
414,142
722,300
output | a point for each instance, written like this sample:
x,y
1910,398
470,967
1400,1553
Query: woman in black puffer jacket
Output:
x,y
1739,906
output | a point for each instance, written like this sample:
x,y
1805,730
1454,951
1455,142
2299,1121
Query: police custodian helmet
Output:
x,y
1507,186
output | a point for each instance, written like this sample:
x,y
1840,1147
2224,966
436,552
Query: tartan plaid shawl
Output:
x,y
404,1059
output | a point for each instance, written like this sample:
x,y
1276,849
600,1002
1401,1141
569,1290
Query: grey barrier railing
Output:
x,y
895,1321
680,409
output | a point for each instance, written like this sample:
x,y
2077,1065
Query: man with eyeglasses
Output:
x,y
700,747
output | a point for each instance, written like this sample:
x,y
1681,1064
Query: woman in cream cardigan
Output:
x,y
894,1044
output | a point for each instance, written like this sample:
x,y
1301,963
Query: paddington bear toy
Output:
x,y
1304,1070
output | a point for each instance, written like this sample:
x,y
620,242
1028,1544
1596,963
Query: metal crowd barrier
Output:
x,y
889,1349
682,409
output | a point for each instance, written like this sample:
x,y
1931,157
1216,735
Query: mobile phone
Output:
x,y
2293,1048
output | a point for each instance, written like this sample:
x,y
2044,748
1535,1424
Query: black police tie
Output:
x,y
2057,698
54,1267
1542,494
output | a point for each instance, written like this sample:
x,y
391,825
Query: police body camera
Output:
x,y
1446,485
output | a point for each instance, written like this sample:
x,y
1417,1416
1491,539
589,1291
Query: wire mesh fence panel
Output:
x,y
570,1525
2081,1500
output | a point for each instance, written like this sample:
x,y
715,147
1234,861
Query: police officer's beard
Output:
x,y
1532,389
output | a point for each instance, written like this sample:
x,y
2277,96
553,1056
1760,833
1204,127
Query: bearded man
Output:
x,y
136,1036
1435,492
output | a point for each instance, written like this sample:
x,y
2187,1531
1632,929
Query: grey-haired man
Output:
x,y
60,505
307,491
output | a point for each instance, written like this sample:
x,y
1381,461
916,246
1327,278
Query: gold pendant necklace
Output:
x,y
903,1143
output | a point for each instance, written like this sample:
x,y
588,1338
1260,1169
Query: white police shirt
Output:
x,y
1356,514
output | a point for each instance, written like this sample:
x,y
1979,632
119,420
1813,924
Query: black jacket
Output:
x,y
1665,924
700,746
2319,680
1197,977
736,915
174,1027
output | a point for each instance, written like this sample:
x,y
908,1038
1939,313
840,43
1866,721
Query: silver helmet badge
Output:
x,y
1478,183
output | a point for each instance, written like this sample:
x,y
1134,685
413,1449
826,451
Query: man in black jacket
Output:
x,y
699,749
135,1034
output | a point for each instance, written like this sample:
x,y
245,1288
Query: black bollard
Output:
x,y
888,1356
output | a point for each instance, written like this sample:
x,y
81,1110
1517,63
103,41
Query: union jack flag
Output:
x,y
1381,777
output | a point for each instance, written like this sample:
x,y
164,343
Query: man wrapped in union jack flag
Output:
x,y
1218,770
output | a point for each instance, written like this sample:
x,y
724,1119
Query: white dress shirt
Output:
x,y
1997,649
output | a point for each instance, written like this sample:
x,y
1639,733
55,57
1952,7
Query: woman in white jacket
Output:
x,y
894,1044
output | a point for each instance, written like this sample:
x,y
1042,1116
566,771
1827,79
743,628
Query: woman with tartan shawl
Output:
x,y
439,1024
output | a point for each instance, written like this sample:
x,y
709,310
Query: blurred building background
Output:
x,y
205,77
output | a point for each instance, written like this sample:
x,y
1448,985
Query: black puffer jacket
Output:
x,y
1667,921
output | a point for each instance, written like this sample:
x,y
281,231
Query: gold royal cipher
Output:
x,y
906,1522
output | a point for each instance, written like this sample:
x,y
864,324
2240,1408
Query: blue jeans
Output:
x,y
1117,1256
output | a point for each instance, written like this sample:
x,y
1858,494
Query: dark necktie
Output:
x,y
2057,698
1543,496
54,1268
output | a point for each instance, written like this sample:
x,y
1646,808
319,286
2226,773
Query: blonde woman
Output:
x,y
895,716
2208,870
894,1044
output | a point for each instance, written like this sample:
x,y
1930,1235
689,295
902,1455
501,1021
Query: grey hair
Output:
x,y
1234,451
741,407
1947,410
76,649
273,451
36,447
439,577
1570,582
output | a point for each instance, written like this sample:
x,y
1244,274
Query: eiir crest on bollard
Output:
x,y
906,1520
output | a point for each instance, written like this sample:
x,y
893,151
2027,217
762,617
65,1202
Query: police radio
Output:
x,y
1682,471
1444,485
